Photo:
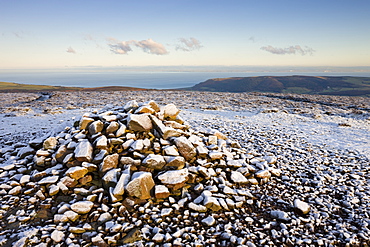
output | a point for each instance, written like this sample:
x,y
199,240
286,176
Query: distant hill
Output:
x,y
16,87
328,85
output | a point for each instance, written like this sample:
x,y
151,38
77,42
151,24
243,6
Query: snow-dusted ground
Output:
x,y
320,144
323,131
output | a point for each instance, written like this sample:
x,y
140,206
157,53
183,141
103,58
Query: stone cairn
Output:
x,y
137,174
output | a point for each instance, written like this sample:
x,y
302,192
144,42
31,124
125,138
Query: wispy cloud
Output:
x,y
190,44
297,49
149,46
252,39
88,37
71,50
18,34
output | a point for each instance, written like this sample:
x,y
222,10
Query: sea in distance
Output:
x,y
140,79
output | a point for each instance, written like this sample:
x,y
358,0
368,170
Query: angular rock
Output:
x,y
212,203
175,162
301,206
174,179
112,127
161,191
170,112
50,143
140,185
96,127
84,122
111,176
76,172
122,182
238,178
197,207
280,215
101,142
209,221
185,147
61,153
263,174
139,122
109,162
84,151
49,180
24,152
154,161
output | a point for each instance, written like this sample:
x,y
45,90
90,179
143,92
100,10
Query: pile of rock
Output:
x,y
131,175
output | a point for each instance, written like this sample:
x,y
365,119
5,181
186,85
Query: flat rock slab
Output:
x,y
82,207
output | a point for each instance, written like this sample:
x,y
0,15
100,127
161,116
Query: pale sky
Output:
x,y
58,34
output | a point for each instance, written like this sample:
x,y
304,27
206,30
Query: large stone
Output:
x,y
112,127
50,143
161,191
209,221
154,161
197,207
171,151
96,127
263,174
57,236
238,178
24,152
82,207
140,185
132,104
109,162
122,182
212,203
121,130
174,179
84,122
84,151
301,207
280,215
139,122
185,147
76,172
175,162
61,153
101,142
111,176
165,132
170,112
49,180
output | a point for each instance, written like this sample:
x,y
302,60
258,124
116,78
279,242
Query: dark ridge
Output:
x,y
323,85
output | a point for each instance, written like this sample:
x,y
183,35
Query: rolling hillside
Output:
x,y
329,85
17,87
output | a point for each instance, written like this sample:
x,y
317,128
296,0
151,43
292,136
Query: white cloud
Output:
x,y
151,47
190,44
122,47
148,46
289,50
71,50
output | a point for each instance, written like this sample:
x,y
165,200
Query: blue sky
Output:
x,y
58,34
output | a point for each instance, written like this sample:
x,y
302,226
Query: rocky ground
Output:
x,y
228,170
